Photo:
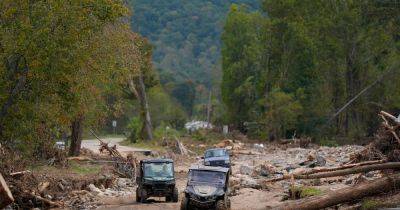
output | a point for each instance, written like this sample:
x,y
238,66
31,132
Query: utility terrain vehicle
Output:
x,y
217,157
206,188
156,179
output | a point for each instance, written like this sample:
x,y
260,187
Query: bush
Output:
x,y
134,126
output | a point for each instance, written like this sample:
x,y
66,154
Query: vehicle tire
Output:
x,y
137,195
175,195
168,198
222,205
143,196
185,205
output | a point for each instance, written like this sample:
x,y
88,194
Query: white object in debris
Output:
x,y
225,130
196,125
94,189
259,146
398,119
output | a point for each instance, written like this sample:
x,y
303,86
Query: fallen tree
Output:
x,y
381,185
341,172
6,197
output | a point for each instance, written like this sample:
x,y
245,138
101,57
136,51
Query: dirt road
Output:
x,y
93,145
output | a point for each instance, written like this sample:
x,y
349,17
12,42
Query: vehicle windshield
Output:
x,y
215,153
211,177
158,170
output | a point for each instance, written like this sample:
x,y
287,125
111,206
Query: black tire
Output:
x,y
168,198
222,205
175,195
137,195
185,203
143,196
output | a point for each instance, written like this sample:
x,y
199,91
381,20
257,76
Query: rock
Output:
x,y
246,170
258,146
348,181
265,170
121,182
94,189
320,161
248,182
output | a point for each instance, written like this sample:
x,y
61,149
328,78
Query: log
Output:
x,y
45,201
381,185
20,173
6,197
319,170
347,171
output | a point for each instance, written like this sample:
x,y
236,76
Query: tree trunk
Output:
x,y
139,90
381,185
76,136
6,197
340,172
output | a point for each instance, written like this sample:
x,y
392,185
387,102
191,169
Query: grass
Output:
x,y
84,169
303,192
150,145
310,191
74,167
371,204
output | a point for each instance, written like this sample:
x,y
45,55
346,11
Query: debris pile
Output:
x,y
387,142
125,167
380,155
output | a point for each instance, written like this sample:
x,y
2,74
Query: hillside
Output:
x,y
185,34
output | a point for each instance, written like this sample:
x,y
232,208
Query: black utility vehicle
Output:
x,y
206,188
156,179
217,157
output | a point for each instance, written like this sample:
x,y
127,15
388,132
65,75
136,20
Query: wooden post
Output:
x,y
6,197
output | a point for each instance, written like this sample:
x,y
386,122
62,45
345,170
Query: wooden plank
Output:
x,y
6,197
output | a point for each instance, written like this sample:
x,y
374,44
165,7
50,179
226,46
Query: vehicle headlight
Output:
x,y
207,163
226,161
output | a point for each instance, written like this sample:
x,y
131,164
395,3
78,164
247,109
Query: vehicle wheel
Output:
x,y
185,203
137,195
175,195
222,205
143,196
168,198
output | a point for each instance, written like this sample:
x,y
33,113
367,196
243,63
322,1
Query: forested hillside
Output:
x,y
290,71
185,34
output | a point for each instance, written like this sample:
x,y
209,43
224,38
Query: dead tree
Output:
x,y
6,197
381,185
